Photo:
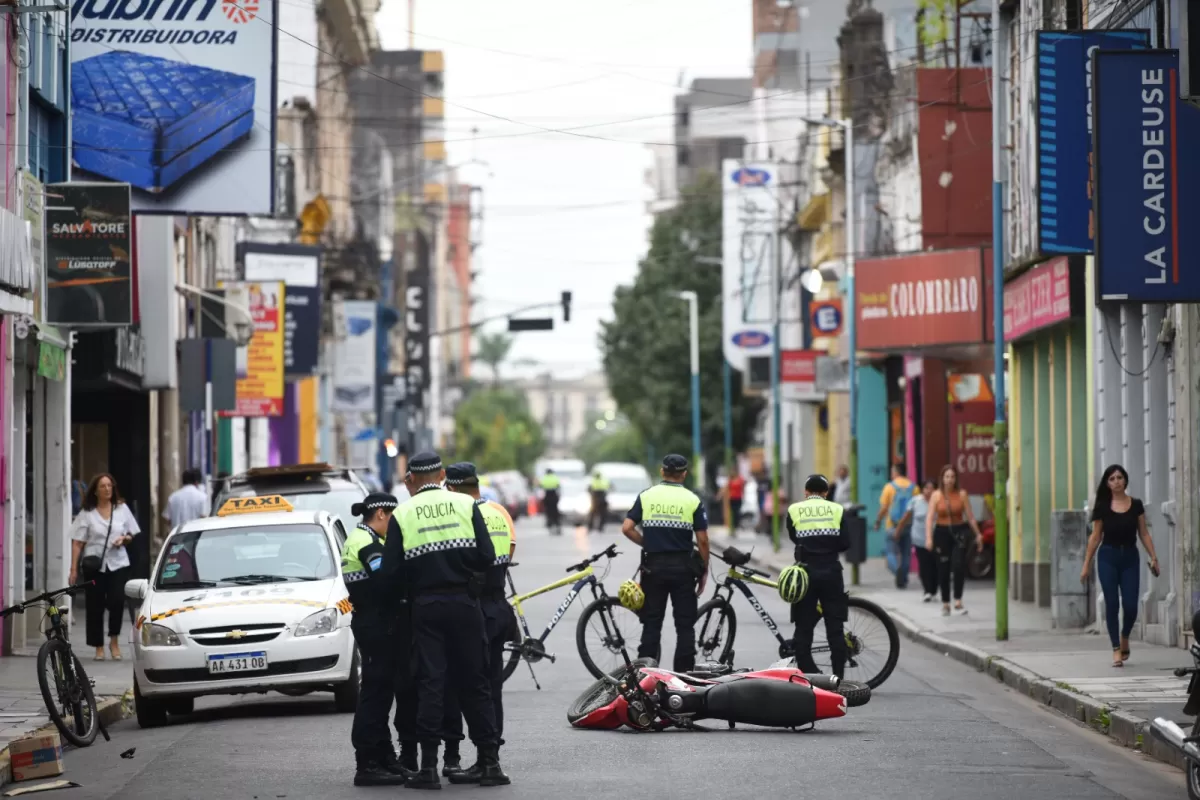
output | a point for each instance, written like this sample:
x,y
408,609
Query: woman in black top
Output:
x,y
1117,522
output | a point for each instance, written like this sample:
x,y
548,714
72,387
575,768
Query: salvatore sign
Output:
x,y
941,297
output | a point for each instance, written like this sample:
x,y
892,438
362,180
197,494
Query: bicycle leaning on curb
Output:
x,y
718,625
72,695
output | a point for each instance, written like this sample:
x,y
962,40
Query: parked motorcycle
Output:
x,y
1167,731
645,697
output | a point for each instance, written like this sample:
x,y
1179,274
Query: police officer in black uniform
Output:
x,y
375,626
818,549
445,547
672,518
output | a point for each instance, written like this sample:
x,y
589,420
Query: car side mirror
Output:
x,y
137,589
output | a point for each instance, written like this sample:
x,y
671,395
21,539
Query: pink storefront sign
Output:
x,y
1037,299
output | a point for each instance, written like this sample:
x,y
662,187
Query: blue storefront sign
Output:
x,y
1147,180
1064,84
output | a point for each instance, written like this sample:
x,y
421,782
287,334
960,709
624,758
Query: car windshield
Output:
x,y
628,485
231,556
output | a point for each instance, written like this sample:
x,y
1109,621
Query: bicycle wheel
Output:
x,y
613,623
718,627
514,656
872,643
72,691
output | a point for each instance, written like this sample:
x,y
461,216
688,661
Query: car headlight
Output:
x,y
159,636
320,622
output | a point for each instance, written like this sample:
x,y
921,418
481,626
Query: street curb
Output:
x,y
110,710
1127,730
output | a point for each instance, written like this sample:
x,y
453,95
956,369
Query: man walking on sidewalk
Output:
x,y
893,505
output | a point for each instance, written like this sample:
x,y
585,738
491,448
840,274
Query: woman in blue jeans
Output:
x,y
1118,520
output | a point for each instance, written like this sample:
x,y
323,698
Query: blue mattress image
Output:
x,y
150,121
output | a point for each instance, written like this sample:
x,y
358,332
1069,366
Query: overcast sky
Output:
x,y
556,65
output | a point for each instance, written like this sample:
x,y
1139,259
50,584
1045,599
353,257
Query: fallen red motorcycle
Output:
x,y
645,697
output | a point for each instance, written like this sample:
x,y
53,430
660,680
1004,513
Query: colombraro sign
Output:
x,y
923,299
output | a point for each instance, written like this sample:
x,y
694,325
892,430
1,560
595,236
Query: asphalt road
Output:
x,y
935,730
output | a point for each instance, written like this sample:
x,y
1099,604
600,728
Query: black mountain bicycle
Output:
x,y
71,697
718,627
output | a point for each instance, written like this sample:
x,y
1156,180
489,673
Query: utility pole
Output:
x,y
776,411
1000,427
693,302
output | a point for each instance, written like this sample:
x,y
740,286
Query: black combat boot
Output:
x,y
451,760
491,773
372,772
408,756
427,777
393,765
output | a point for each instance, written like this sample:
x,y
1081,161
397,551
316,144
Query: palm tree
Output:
x,y
492,349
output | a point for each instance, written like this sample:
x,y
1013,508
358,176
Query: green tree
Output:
x,y
493,349
494,429
646,345
617,441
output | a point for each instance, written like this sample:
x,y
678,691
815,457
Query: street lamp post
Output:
x,y
694,325
851,240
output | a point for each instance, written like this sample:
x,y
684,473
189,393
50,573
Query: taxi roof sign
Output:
x,y
254,505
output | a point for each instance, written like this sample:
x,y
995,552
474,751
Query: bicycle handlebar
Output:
x,y
610,552
42,598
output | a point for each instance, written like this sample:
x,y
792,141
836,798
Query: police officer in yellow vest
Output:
x,y
818,528
672,520
445,548
550,487
598,487
374,625
498,617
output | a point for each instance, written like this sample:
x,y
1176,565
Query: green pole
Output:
x,y
1000,428
855,577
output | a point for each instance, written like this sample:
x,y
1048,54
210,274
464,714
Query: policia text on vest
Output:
x,y
444,548
818,528
674,525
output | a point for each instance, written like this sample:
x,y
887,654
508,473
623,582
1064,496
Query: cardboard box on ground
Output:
x,y
36,757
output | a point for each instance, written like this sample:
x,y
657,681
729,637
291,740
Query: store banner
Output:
x,y
177,99
354,356
751,203
972,446
260,363
89,238
299,267
1038,299
33,203
798,375
1147,180
938,297
825,318
416,332
1064,86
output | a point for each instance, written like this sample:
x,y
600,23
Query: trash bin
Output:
x,y
856,526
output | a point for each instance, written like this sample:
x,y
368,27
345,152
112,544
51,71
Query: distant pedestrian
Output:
x,y
101,534
948,530
841,486
1118,520
893,505
918,512
735,490
188,502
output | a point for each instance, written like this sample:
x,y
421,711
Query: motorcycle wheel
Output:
x,y
856,694
1193,769
601,693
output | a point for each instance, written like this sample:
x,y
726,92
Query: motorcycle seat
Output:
x,y
770,703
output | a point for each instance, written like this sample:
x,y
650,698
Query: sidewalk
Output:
x,y
23,712
1068,670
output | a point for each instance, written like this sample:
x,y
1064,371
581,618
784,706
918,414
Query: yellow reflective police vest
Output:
x,y
599,484
550,482
668,517
501,534
436,520
816,516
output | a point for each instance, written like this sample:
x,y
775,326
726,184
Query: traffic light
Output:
x,y
566,303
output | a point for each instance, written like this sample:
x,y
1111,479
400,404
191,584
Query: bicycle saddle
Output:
x,y
735,557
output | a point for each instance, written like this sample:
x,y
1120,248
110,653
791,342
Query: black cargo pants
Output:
x,y
669,576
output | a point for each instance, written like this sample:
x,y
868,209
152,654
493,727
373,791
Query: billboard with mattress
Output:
x,y
177,99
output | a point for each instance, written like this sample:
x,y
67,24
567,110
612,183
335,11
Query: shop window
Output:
x,y
46,143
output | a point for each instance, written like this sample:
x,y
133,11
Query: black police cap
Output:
x,y
460,473
816,484
373,501
425,462
675,463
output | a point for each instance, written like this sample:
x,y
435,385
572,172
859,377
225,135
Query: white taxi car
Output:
x,y
249,601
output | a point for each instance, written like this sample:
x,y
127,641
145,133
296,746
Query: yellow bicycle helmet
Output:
x,y
793,584
631,596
